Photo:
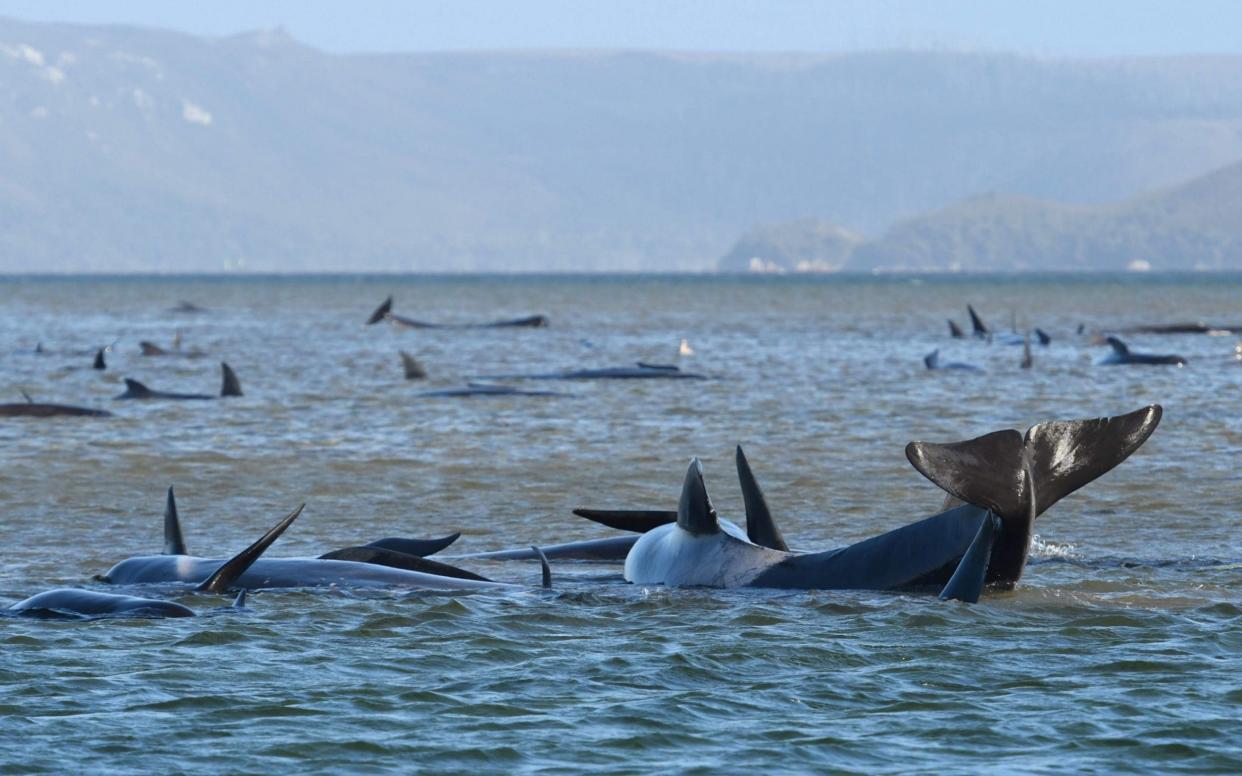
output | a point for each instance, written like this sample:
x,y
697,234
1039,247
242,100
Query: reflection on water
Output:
x,y
1118,651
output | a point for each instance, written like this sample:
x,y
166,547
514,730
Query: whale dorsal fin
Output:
x,y
234,567
976,323
99,360
955,331
661,367
695,512
381,312
760,527
932,359
26,396
1119,347
1043,337
413,369
174,544
231,386
636,520
135,389
151,349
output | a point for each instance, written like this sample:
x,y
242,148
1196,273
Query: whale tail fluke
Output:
x,y
381,312
413,369
174,543
544,568
1019,477
229,572
695,512
230,386
379,556
760,527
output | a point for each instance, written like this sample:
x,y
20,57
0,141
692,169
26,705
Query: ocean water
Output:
x,y
1119,651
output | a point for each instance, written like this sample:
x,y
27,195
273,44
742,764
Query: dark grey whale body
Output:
x,y
230,386
33,409
1005,479
78,603
384,312
1123,355
384,564
932,362
486,389
640,371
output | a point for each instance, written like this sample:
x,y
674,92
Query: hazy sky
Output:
x,y
1070,27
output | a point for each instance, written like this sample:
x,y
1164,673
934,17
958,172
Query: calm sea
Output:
x,y
1120,651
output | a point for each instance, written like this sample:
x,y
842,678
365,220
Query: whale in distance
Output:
x,y
230,386
1123,355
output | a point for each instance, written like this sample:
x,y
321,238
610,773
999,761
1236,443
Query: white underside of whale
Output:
x,y
670,555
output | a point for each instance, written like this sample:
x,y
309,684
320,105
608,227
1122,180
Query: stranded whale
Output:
x,y
1122,355
230,386
1000,483
384,312
33,409
640,371
72,602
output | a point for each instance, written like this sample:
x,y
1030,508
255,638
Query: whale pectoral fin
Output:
x,y
231,386
418,547
760,527
986,471
1067,454
381,312
234,567
174,544
378,556
636,520
695,512
967,581
546,575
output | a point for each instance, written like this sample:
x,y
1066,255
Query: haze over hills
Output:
x,y
1192,227
125,149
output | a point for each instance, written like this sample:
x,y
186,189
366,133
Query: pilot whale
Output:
x,y
75,602
932,361
33,409
998,484
384,312
230,386
640,371
400,571
1123,355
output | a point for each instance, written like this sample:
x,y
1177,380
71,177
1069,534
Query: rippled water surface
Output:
x,y
1118,651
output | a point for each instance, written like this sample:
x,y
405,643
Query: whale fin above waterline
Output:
x,y
229,572
760,527
695,512
636,520
1119,347
379,556
968,580
174,543
99,360
419,547
413,369
230,386
544,569
134,390
381,312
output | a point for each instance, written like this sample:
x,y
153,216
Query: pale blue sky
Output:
x,y
1057,27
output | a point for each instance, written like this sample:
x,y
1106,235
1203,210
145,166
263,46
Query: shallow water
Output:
x,y
1119,651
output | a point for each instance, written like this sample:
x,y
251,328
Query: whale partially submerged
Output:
x,y
384,312
385,566
80,603
486,389
34,409
640,371
998,484
230,386
932,361
1123,355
